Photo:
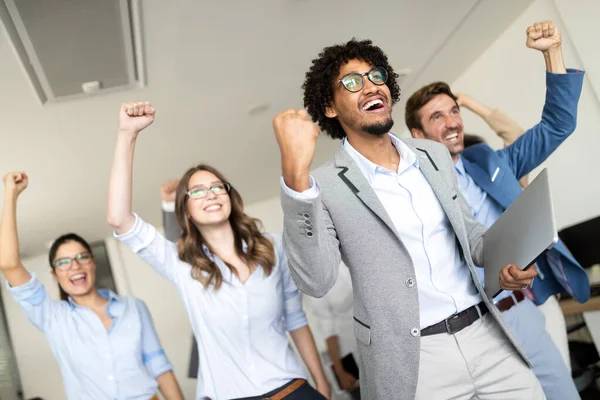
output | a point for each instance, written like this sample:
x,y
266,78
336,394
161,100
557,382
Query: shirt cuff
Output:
x,y
168,206
309,194
31,292
139,236
294,314
157,363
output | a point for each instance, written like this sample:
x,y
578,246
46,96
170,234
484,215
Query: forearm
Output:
x,y
10,260
478,108
305,343
554,61
119,214
169,387
333,347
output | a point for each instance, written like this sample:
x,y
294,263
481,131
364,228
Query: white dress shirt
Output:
x,y
240,328
334,312
444,281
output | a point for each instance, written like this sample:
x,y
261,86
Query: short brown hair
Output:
x,y
422,97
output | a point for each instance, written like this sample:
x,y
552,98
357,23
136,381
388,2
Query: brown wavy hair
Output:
x,y
260,250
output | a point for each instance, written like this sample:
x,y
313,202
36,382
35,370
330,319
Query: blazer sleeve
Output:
x,y
310,242
171,227
559,119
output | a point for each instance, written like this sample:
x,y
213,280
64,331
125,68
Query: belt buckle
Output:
x,y
449,327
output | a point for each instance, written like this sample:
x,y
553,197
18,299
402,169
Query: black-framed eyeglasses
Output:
x,y
65,263
200,192
354,82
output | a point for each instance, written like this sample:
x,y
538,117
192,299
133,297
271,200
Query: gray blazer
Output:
x,y
348,222
172,233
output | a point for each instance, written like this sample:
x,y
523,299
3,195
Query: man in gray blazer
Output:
x,y
392,211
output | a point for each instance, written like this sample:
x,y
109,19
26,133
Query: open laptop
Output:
x,y
525,231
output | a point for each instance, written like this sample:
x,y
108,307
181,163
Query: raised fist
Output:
x,y
297,138
168,190
543,36
15,182
134,117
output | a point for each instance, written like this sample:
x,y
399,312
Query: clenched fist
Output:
x,y
297,138
134,117
168,190
15,182
543,36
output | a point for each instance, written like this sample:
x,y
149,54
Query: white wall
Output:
x,y
511,77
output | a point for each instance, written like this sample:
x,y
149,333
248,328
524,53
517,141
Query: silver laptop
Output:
x,y
525,231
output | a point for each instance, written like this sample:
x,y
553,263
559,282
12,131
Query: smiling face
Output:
x,y
215,207
368,110
74,269
441,121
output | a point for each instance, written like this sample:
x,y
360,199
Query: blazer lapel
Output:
x,y
489,181
353,177
431,172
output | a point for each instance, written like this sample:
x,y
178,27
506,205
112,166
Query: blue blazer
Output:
x,y
498,173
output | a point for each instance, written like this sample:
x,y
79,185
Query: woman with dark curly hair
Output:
x,y
392,210
234,280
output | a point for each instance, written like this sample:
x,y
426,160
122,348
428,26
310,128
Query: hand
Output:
x,y
543,36
15,182
134,117
297,138
512,278
348,382
324,388
168,190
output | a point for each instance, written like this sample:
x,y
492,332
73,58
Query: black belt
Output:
x,y
457,322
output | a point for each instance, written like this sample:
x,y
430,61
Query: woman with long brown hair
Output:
x,y
234,281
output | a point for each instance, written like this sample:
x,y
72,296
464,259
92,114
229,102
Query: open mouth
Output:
x,y
78,279
213,208
373,105
452,138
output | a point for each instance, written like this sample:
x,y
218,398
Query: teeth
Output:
x,y
453,136
215,207
78,276
372,103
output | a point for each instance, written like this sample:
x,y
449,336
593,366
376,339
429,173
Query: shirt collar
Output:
x,y
115,303
211,255
368,168
460,167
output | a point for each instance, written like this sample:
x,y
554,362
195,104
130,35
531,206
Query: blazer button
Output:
x,y
410,282
306,215
414,332
309,234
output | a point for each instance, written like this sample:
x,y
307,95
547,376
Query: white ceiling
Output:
x,y
207,64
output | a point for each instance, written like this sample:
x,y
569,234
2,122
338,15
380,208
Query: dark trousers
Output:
x,y
304,392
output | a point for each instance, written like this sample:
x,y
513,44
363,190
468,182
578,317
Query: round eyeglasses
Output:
x,y
65,263
354,82
200,192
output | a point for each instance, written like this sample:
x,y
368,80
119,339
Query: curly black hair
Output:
x,y
320,79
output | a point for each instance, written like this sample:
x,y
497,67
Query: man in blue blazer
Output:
x,y
489,181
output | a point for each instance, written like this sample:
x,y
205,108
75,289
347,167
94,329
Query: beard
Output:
x,y
379,128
